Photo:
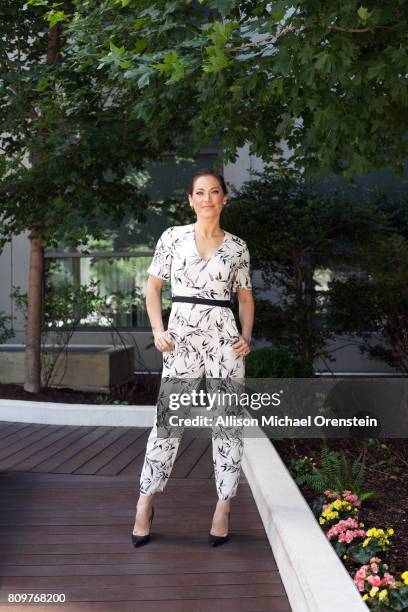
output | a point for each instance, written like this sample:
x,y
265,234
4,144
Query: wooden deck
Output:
x,y
67,506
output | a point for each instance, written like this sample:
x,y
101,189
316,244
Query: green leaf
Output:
x,y
171,63
144,80
217,59
364,14
54,17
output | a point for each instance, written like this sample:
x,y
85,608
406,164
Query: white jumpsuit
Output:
x,y
203,336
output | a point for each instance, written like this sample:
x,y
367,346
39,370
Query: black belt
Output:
x,y
194,300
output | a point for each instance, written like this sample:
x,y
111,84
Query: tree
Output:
x,y
70,152
328,78
379,298
291,231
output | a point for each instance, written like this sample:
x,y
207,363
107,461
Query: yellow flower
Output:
x,y
365,597
382,594
322,521
348,507
361,524
373,591
404,576
345,557
390,531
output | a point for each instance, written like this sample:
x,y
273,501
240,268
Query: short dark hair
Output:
x,y
208,172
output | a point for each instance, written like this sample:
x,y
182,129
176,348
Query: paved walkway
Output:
x,y
67,505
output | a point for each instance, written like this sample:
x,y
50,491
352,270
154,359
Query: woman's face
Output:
x,y
208,198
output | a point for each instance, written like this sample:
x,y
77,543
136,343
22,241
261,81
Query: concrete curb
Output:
x,y
313,575
50,413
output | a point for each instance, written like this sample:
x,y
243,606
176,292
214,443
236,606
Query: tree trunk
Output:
x,y
32,382
34,316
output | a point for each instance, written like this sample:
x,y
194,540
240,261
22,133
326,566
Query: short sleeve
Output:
x,y
242,278
161,262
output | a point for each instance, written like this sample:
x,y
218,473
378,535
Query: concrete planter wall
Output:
x,y
81,367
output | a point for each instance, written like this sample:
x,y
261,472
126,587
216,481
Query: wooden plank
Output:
x,y
97,447
163,544
198,521
28,447
34,462
23,437
125,457
204,466
190,458
137,556
57,461
6,429
196,592
256,604
146,580
157,567
95,465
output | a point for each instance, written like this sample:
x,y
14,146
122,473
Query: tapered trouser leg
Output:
x,y
164,440
227,440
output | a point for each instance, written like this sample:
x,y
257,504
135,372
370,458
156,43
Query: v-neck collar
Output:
x,y
212,254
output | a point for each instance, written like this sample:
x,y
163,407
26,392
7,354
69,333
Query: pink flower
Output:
x,y
360,574
374,580
375,560
388,578
360,585
331,495
374,568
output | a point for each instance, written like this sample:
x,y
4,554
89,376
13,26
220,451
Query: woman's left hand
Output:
x,y
242,347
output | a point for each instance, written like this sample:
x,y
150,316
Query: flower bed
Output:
x,y
369,535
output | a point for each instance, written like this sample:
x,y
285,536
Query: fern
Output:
x,y
337,473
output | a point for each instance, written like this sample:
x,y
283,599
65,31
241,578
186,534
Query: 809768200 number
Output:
x,y
36,598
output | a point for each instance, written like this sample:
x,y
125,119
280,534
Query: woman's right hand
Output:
x,y
163,342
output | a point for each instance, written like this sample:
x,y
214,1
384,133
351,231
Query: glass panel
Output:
x,y
161,180
121,282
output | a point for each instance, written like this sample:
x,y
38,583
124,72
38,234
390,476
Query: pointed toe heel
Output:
x,y
141,540
218,540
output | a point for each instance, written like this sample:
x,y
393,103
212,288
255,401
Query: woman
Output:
x,y
205,265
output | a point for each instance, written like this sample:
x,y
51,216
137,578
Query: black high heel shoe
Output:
x,y
140,540
218,540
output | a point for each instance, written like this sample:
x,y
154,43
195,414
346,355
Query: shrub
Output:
x,y
275,363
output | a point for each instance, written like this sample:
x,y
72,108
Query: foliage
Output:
x,y
392,460
275,363
300,467
5,331
64,308
338,473
327,78
72,155
102,399
379,298
376,542
292,231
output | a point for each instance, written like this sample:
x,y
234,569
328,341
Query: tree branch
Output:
x,y
293,29
265,39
